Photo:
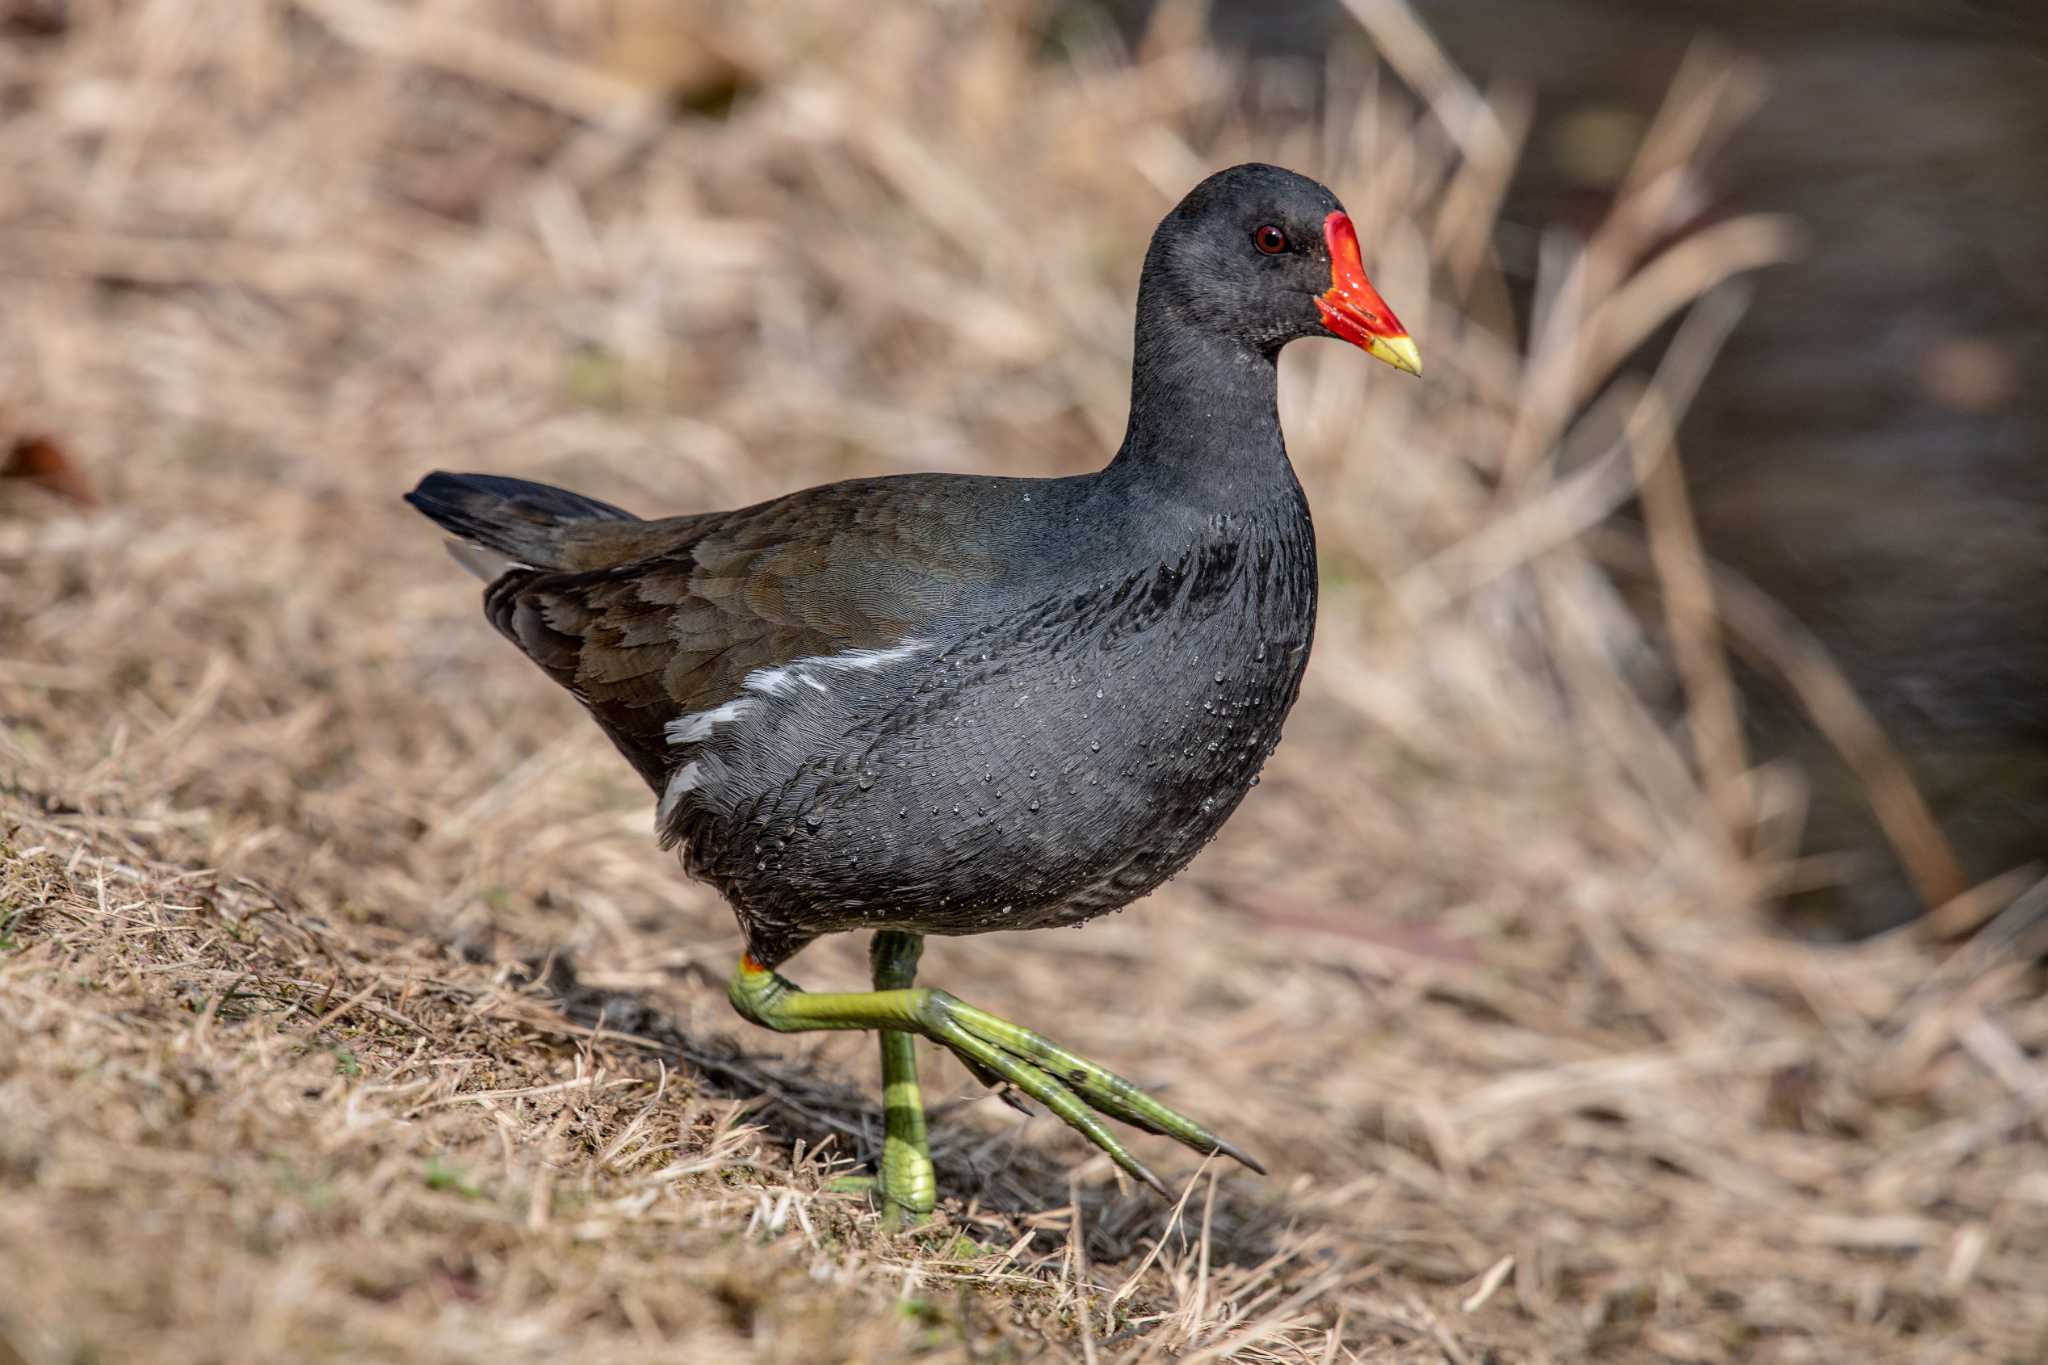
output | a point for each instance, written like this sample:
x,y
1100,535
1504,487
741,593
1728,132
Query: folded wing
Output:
x,y
646,622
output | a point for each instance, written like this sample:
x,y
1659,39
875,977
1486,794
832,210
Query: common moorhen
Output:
x,y
946,704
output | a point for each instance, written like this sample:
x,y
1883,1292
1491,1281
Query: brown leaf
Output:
x,y
35,18
40,460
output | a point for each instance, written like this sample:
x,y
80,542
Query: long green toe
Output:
x,y
1070,1086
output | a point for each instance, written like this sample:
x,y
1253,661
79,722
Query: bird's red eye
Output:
x,y
1270,240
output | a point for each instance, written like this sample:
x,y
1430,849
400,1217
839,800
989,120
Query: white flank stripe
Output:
x,y
773,681
776,681
871,659
708,771
698,724
686,780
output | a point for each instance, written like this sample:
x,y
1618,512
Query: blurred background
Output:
x,y
1650,867
1868,450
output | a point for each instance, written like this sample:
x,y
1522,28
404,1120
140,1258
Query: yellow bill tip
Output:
x,y
1398,351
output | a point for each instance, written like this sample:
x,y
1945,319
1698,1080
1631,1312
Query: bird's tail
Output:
x,y
504,523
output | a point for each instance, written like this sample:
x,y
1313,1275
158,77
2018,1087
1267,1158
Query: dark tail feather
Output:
x,y
520,520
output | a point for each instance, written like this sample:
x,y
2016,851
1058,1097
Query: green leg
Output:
x,y
909,1186
1072,1087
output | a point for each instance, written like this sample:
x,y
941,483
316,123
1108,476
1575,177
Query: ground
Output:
x,y
349,1011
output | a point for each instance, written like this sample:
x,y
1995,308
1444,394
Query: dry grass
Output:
x,y
295,855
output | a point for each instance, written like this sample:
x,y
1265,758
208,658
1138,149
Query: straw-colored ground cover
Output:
x,y
348,1010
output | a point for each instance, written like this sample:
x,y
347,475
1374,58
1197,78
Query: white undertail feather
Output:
x,y
488,565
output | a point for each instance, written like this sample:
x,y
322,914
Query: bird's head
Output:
x,y
1263,256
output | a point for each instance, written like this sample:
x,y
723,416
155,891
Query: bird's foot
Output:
x,y
1072,1087
909,1187
898,1213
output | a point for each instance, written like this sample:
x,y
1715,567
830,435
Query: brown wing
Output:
x,y
680,611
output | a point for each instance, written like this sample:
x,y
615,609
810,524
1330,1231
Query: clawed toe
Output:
x,y
1072,1087
1014,1060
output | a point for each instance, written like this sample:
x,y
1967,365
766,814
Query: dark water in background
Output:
x,y
1872,449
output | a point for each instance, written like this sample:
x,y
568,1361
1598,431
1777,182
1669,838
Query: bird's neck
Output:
x,y
1205,415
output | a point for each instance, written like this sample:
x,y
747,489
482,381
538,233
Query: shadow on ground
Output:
x,y
995,1171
